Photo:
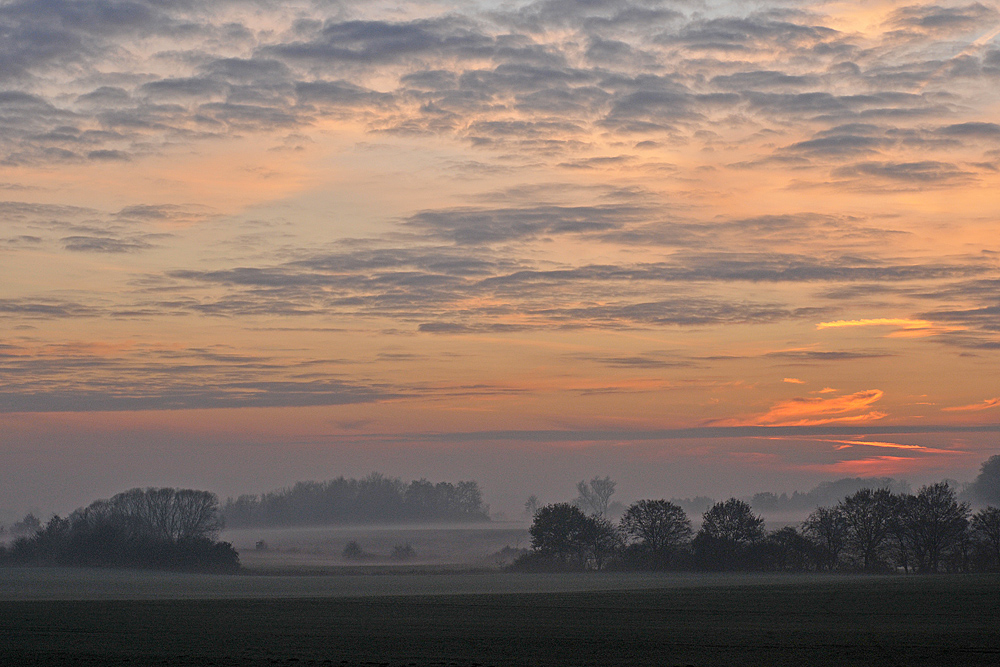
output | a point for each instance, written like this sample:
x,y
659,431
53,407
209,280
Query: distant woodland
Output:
x,y
826,493
873,529
172,529
875,525
375,499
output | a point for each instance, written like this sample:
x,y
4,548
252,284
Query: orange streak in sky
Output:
x,y
815,410
877,322
985,405
847,444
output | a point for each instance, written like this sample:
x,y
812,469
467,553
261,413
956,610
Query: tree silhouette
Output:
x,y
827,528
986,527
595,497
732,521
728,530
602,540
373,499
986,489
559,531
869,515
936,522
657,528
158,528
786,549
353,551
531,506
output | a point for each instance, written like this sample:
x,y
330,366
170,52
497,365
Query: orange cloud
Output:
x,y
905,328
793,381
985,405
848,444
810,411
872,466
902,323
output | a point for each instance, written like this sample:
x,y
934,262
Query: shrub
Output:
x,y
403,552
353,551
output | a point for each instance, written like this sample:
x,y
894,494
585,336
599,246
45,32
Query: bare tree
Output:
x,y
732,521
827,527
869,516
602,540
986,527
937,523
658,525
595,497
531,506
729,532
197,514
161,513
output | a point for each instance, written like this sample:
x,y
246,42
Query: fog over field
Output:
x,y
321,547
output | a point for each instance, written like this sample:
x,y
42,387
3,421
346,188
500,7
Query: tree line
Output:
x,y
825,493
871,530
374,499
160,528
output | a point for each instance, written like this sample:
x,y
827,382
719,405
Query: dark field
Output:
x,y
802,621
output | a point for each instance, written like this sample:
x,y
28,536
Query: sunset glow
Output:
x,y
246,243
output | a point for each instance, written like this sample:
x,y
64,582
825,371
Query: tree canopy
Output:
x,y
371,500
159,528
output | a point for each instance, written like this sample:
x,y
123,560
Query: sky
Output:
x,y
703,247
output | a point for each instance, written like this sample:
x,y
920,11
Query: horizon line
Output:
x,y
696,432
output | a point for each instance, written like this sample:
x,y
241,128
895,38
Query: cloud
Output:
x,y
925,172
984,318
193,396
103,244
471,225
651,112
975,407
85,377
938,19
759,32
647,361
496,78
826,355
702,432
809,411
380,42
972,130
41,309
902,323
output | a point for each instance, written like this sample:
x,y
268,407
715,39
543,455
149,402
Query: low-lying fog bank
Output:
x,y
470,545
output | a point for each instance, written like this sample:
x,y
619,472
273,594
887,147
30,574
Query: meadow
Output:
x,y
454,619
320,548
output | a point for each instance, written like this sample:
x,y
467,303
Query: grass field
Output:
x,y
321,547
665,620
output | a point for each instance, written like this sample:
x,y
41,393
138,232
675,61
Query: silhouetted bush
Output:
x,y
353,551
130,530
402,552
